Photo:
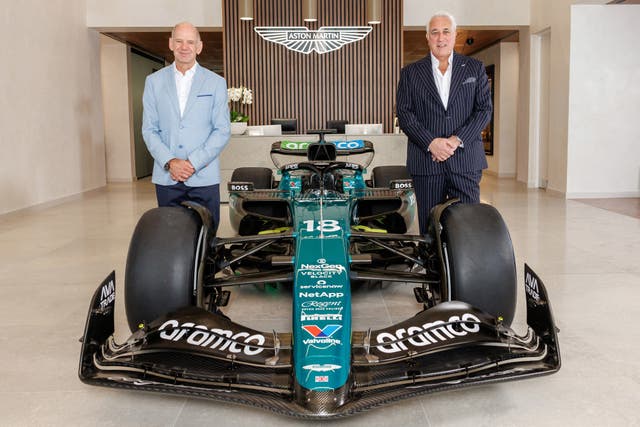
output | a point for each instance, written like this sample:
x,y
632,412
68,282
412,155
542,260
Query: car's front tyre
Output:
x,y
481,263
162,263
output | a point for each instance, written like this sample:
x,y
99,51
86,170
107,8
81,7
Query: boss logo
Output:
x,y
240,186
401,184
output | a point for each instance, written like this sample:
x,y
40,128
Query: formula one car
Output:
x,y
323,229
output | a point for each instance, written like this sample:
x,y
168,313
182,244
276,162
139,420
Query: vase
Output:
x,y
238,128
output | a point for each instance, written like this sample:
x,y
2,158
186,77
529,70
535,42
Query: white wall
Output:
x,y
149,14
145,14
118,122
524,100
556,16
604,102
51,105
468,12
488,57
509,83
505,58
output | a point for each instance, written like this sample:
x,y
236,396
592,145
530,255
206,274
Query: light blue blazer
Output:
x,y
199,135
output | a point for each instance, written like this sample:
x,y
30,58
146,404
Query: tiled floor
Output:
x,y
626,206
589,258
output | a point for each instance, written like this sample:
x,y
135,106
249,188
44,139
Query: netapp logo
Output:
x,y
304,40
321,294
201,336
431,333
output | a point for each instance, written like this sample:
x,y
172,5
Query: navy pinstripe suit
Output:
x,y
423,118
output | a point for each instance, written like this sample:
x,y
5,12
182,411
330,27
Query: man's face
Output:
x,y
185,45
441,37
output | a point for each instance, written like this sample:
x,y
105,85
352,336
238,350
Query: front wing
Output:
x,y
198,353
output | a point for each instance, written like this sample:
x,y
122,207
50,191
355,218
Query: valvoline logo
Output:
x,y
325,332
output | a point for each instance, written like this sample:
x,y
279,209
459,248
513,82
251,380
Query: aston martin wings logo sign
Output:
x,y
304,40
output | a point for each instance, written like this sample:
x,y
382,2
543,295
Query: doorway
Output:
x,y
142,65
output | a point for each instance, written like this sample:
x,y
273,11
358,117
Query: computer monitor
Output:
x,y
364,129
289,126
338,125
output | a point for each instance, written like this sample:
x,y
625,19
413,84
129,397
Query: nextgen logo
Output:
x,y
431,333
323,267
201,336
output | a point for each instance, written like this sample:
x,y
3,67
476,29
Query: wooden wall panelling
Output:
x,y
356,83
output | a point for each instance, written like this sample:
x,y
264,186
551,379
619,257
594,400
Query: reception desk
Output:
x,y
243,151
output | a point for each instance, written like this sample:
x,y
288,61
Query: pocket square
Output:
x,y
204,94
469,80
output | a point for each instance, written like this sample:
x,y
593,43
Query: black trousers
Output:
x,y
208,196
434,189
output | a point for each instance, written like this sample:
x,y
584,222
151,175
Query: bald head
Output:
x,y
186,26
185,44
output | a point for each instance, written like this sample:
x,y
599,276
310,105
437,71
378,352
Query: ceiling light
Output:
x,y
246,10
310,10
374,11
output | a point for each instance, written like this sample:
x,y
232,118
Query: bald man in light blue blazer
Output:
x,y
185,125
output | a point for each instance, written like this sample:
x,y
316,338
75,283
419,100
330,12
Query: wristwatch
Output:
x,y
166,165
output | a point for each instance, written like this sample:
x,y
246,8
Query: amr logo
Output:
x,y
531,286
107,294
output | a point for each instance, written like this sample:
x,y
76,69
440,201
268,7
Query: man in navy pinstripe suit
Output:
x,y
443,103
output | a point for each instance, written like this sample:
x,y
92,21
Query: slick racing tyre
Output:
x,y
478,250
262,178
381,176
162,263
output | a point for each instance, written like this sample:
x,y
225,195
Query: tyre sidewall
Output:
x,y
481,260
161,264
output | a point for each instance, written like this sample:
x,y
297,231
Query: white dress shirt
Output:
x,y
443,81
183,85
